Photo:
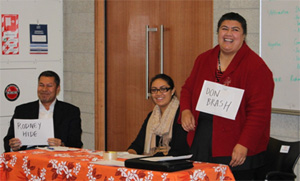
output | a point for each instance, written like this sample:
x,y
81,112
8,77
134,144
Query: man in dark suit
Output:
x,y
66,117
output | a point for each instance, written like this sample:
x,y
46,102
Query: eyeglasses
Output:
x,y
162,90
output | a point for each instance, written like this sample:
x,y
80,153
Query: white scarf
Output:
x,y
161,125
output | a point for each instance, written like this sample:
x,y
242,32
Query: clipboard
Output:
x,y
166,166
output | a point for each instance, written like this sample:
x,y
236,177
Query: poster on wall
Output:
x,y
38,39
10,34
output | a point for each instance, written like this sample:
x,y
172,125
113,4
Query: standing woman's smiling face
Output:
x,y
231,36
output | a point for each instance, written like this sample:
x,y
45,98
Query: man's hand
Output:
x,y
239,155
187,120
15,144
54,142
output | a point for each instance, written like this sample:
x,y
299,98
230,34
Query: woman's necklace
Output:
x,y
219,62
219,72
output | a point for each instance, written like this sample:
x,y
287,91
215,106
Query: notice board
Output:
x,y
280,49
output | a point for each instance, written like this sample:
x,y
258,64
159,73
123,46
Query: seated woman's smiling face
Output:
x,y
161,94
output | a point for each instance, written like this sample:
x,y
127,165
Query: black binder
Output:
x,y
165,166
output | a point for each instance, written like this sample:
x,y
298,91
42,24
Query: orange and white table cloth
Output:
x,y
76,165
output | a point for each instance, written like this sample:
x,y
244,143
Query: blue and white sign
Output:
x,y
38,39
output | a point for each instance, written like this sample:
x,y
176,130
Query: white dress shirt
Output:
x,y
45,114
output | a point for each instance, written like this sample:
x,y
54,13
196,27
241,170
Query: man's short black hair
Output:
x,y
49,73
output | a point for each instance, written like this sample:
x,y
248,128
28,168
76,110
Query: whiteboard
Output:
x,y
280,49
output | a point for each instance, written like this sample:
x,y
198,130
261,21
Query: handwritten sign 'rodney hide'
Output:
x,y
219,100
34,131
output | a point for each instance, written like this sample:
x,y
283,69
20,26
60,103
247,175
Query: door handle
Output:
x,y
147,54
161,49
147,58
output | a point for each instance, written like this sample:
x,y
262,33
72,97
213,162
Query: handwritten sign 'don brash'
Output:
x,y
34,131
219,100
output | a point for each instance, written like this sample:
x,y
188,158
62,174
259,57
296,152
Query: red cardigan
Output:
x,y
247,71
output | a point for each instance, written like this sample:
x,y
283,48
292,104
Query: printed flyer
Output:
x,y
10,34
38,39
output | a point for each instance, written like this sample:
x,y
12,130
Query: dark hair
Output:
x,y
165,77
236,17
49,73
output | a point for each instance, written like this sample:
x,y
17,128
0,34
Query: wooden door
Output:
x,y
187,32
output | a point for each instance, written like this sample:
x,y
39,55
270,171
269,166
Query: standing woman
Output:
x,y
240,143
161,134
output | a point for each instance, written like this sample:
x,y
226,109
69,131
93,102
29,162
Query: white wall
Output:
x,y
79,62
23,69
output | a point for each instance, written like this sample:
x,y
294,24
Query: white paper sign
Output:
x,y
34,131
219,100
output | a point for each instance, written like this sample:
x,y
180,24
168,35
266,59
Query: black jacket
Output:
x,y
178,143
66,117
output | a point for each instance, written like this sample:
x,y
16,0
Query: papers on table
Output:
x,y
166,158
127,155
116,163
123,154
58,148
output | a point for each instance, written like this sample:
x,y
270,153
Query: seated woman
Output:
x,y
161,134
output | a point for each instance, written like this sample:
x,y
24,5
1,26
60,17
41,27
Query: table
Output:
x,y
41,164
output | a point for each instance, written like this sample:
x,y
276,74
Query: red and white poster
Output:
x,y
10,34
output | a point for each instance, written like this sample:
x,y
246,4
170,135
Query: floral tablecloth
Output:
x,y
76,165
